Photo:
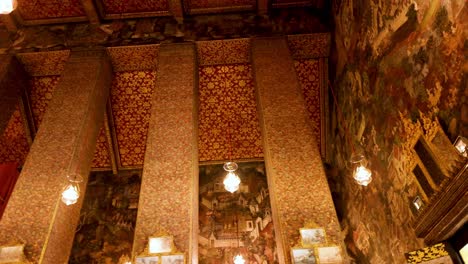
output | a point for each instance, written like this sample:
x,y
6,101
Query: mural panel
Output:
x,y
401,70
239,222
107,220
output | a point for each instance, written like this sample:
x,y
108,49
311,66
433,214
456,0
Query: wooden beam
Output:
x,y
90,11
177,10
112,138
110,143
262,7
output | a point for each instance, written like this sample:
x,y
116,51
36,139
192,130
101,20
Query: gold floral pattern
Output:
x,y
223,51
44,63
41,92
308,72
227,104
14,146
46,9
309,45
425,254
134,6
207,4
101,157
131,94
134,58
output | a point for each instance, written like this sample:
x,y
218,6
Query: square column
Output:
x,y
296,176
63,145
169,188
13,81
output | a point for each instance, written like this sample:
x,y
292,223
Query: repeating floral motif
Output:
x,y
134,58
134,6
40,94
309,45
44,63
228,120
14,145
101,157
425,254
308,72
46,9
131,106
206,4
223,51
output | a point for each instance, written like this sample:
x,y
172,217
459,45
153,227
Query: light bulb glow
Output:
x,y
461,148
7,6
239,259
362,175
231,182
70,194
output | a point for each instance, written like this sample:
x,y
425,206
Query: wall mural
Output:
x,y
108,216
400,69
238,222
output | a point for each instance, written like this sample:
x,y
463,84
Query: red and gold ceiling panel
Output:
x,y
49,9
14,146
218,6
228,119
309,46
134,58
117,9
131,108
286,3
101,157
44,63
223,52
40,95
312,77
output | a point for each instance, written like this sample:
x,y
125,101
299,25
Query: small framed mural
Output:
x,y
147,260
330,254
313,236
12,254
178,258
162,244
303,256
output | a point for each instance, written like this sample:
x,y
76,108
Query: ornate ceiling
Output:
x,y
36,12
226,100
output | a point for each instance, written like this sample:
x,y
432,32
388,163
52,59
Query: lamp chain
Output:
x,y
340,116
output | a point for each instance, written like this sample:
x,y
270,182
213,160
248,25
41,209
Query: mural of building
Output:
x,y
240,221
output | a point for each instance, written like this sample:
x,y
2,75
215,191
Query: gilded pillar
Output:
x,y
169,191
299,190
13,80
65,144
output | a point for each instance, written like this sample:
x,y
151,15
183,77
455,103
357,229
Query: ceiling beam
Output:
x,y
262,7
177,10
90,11
110,144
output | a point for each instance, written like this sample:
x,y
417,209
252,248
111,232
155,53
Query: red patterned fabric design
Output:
x,y
101,157
202,4
227,104
131,106
41,92
308,72
309,46
46,9
14,145
134,6
222,52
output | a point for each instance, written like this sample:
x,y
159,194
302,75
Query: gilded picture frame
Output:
x,y
148,259
175,258
303,256
311,237
160,245
329,254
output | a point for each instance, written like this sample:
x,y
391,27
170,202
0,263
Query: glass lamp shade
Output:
x,y
230,166
71,192
361,173
239,259
7,6
231,182
460,144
